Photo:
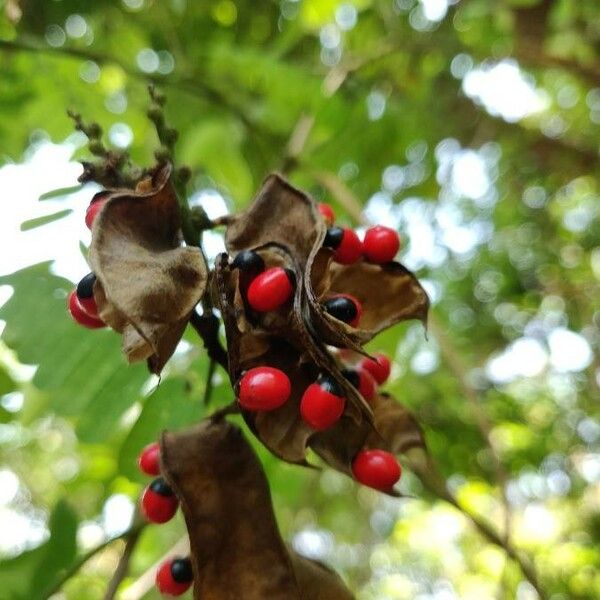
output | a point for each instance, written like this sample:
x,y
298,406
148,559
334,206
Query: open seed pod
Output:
x,y
388,294
282,430
236,548
280,214
147,282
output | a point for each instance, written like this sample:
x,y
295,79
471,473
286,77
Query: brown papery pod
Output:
x,y
284,220
236,549
283,430
396,429
388,294
280,214
147,282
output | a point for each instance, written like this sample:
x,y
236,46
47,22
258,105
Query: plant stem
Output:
x,y
207,327
123,566
208,389
452,357
136,528
435,483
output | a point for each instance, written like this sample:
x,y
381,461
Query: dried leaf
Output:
x,y
236,549
148,282
280,214
317,581
388,293
396,429
282,430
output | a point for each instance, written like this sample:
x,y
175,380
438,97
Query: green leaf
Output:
x,y
170,406
31,574
82,370
39,221
215,147
7,384
60,192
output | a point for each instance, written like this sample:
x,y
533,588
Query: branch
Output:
x,y
207,327
193,85
123,566
433,482
76,566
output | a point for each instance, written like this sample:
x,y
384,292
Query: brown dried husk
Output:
x,y
280,214
388,294
147,282
283,430
283,225
236,548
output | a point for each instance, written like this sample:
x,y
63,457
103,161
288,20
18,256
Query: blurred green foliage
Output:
x,y
500,216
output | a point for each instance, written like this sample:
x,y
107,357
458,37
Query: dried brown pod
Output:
x,y
280,214
236,548
388,294
396,429
282,430
147,282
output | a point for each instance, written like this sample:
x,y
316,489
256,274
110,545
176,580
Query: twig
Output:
x,y
207,327
208,388
123,566
432,481
452,357
76,566
233,408
194,85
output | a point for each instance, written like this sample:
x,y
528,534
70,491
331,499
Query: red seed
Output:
x,y
327,213
149,459
270,290
379,368
93,209
174,577
367,386
159,504
350,248
377,469
322,404
89,306
381,244
264,388
80,315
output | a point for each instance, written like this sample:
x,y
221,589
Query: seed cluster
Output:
x,y
299,297
264,388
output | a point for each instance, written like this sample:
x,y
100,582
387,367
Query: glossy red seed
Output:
x,y
327,213
149,459
350,248
158,507
367,386
381,244
80,315
89,306
92,211
166,581
320,408
264,388
377,469
379,368
270,290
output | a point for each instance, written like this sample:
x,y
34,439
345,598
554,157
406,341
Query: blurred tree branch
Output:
x,y
193,85
133,532
428,474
